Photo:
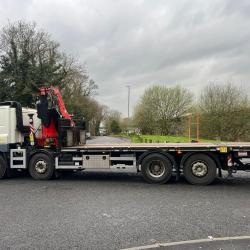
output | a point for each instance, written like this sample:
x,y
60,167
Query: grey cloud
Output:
x,y
146,42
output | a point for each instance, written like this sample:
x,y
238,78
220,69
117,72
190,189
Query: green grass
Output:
x,y
160,139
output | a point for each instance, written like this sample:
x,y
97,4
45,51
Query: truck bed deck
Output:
x,y
164,146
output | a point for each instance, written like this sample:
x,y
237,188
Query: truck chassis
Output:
x,y
200,163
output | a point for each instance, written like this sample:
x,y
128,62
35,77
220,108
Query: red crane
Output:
x,y
53,113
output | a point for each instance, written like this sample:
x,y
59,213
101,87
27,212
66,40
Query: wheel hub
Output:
x,y
156,169
199,169
41,167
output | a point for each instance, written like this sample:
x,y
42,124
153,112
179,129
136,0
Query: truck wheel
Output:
x,y
156,168
3,167
200,169
41,167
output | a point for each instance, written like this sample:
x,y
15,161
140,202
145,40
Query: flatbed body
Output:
x,y
229,146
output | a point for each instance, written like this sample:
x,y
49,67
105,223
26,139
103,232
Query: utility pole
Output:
x,y
128,86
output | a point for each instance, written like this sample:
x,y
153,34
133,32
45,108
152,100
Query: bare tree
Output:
x,y
225,112
112,121
161,108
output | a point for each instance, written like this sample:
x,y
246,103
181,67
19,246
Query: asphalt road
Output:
x,y
115,211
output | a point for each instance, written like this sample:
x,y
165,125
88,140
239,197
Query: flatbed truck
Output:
x,y
46,141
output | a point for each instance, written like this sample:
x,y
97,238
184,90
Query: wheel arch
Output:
x,y
166,154
49,153
212,155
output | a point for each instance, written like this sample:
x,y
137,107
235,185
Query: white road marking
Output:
x,y
167,244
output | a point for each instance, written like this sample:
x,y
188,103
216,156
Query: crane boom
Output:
x,y
60,106
56,121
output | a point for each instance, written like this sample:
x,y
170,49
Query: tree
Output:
x,y
127,125
94,114
115,127
161,108
112,121
31,59
225,112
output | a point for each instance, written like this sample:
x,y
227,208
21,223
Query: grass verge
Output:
x,y
160,139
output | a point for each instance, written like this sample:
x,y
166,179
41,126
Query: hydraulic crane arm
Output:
x,y
57,124
54,96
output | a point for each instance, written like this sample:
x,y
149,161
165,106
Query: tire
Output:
x,y
3,167
156,168
41,167
200,169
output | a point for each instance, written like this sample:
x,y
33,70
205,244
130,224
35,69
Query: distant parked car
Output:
x,y
103,132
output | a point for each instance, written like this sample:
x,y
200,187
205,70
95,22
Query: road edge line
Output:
x,y
176,243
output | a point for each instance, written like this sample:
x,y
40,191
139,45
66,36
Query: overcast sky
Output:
x,y
141,43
